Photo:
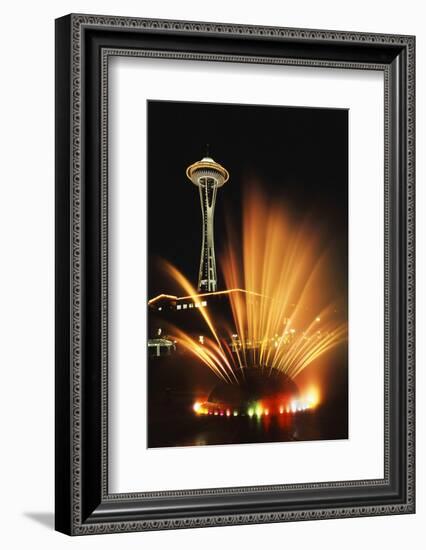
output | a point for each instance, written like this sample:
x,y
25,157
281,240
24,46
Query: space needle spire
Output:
x,y
208,176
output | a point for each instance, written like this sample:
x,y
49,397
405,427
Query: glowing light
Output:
x,y
168,296
280,262
258,409
312,397
212,353
275,275
218,292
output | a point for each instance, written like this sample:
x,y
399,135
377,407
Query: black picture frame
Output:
x,y
83,46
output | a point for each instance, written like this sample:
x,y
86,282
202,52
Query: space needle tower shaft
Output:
x,y
208,176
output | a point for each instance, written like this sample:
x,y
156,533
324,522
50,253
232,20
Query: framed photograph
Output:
x,y
234,274
235,325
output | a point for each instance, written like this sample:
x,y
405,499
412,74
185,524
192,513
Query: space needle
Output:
x,y
208,176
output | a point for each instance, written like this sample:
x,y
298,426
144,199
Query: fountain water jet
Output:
x,y
298,315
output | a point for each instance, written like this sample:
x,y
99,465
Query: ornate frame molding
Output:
x,y
72,46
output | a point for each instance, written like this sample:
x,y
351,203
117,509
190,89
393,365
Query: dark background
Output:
x,y
299,154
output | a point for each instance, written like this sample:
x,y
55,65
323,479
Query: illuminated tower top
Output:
x,y
208,176
207,167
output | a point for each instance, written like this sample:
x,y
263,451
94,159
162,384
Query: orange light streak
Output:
x,y
282,292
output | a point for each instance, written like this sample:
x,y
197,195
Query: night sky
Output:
x,y
299,154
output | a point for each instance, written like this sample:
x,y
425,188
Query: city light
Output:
x,y
160,296
271,407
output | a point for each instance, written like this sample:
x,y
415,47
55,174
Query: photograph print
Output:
x,y
247,274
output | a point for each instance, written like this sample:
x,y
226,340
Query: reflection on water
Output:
x,y
172,422
185,429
